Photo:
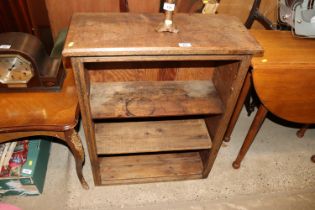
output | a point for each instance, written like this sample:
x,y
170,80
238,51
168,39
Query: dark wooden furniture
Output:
x,y
155,106
14,16
248,95
243,10
28,16
255,14
53,114
251,100
283,80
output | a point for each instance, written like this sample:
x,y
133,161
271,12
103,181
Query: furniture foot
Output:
x,y
300,133
238,107
227,138
253,130
236,165
76,148
313,158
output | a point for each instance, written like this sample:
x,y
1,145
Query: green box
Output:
x,y
31,181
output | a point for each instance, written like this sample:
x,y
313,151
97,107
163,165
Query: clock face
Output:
x,y
14,69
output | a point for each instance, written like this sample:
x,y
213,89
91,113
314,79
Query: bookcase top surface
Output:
x,y
125,34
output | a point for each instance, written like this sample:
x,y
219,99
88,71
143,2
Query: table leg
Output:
x,y
253,130
238,107
76,148
300,133
251,101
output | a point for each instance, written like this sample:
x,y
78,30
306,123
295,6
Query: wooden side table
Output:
x,y
155,106
284,82
53,114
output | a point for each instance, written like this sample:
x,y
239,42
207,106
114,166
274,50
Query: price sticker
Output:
x,y
169,7
5,46
184,44
27,171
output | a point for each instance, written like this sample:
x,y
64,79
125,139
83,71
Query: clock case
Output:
x,y
48,74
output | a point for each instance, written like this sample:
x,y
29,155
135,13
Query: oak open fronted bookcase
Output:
x,y
153,110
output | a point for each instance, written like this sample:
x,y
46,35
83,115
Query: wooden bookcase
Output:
x,y
152,110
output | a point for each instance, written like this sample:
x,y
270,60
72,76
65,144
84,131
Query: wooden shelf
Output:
x,y
153,98
151,136
150,168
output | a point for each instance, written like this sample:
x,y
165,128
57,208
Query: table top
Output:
x,y
58,110
284,78
281,48
112,34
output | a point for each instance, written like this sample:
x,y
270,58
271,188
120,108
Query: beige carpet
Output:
x,y
276,174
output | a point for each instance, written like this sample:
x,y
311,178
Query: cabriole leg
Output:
x,y
74,142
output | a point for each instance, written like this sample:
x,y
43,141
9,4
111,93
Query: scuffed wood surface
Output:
x,y
100,34
151,136
150,168
144,99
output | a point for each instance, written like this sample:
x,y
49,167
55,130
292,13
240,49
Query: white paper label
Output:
x,y
168,22
5,46
184,44
169,7
26,171
313,20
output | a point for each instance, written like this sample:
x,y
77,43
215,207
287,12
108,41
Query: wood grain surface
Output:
x,y
148,99
282,50
151,71
151,136
60,11
150,168
100,34
41,108
140,6
241,9
284,77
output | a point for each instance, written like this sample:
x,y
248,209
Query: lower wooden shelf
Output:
x,y
150,168
151,136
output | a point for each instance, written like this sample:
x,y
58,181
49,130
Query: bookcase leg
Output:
x,y
238,108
